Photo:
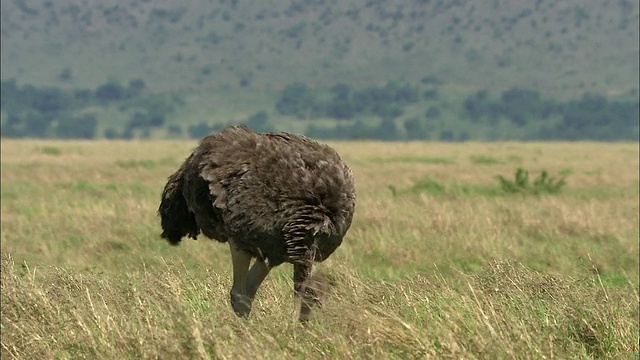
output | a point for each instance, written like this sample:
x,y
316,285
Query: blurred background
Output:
x,y
454,70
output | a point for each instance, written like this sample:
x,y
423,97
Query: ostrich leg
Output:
x,y
257,273
304,294
240,302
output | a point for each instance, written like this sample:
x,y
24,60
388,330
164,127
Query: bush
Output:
x,y
542,184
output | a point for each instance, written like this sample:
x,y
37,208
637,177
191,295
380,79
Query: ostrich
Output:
x,y
275,197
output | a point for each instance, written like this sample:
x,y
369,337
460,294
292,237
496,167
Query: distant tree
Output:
x,y
206,70
127,133
416,129
137,86
144,120
111,133
81,127
48,100
431,80
174,131
476,105
359,130
259,122
245,80
145,133
386,130
202,129
388,111
464,136
318,132
13,127
432,112
446,135
138,120
37,125
382,101
340,106
407,47
296,100
111,92
406,94
82,96
520,104
593,117
15,99
66,74
430,94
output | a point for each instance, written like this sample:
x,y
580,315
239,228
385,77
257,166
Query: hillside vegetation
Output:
x,y
216,62
501,250
568,44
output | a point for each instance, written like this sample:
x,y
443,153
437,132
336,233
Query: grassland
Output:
x,y
439,262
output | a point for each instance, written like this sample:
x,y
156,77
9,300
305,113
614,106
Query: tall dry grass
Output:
x,y
439,263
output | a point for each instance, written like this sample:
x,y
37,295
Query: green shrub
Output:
x,y
51,150
521,184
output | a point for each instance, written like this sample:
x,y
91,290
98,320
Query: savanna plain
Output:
x,y
442,260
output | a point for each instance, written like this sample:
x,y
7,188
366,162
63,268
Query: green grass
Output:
x,y
444,269
435,188
51,150
543,184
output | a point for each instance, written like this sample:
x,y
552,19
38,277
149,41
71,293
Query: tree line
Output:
x,y
51,112
345,103
590,117
375,112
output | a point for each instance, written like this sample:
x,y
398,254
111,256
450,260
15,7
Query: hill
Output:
x,y
547,45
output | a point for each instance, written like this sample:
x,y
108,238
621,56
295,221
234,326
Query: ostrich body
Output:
x,y
276,197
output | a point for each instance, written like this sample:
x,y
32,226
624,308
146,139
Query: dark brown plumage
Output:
x,y
276,197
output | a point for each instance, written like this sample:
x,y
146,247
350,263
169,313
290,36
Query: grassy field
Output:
x,y
440,261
